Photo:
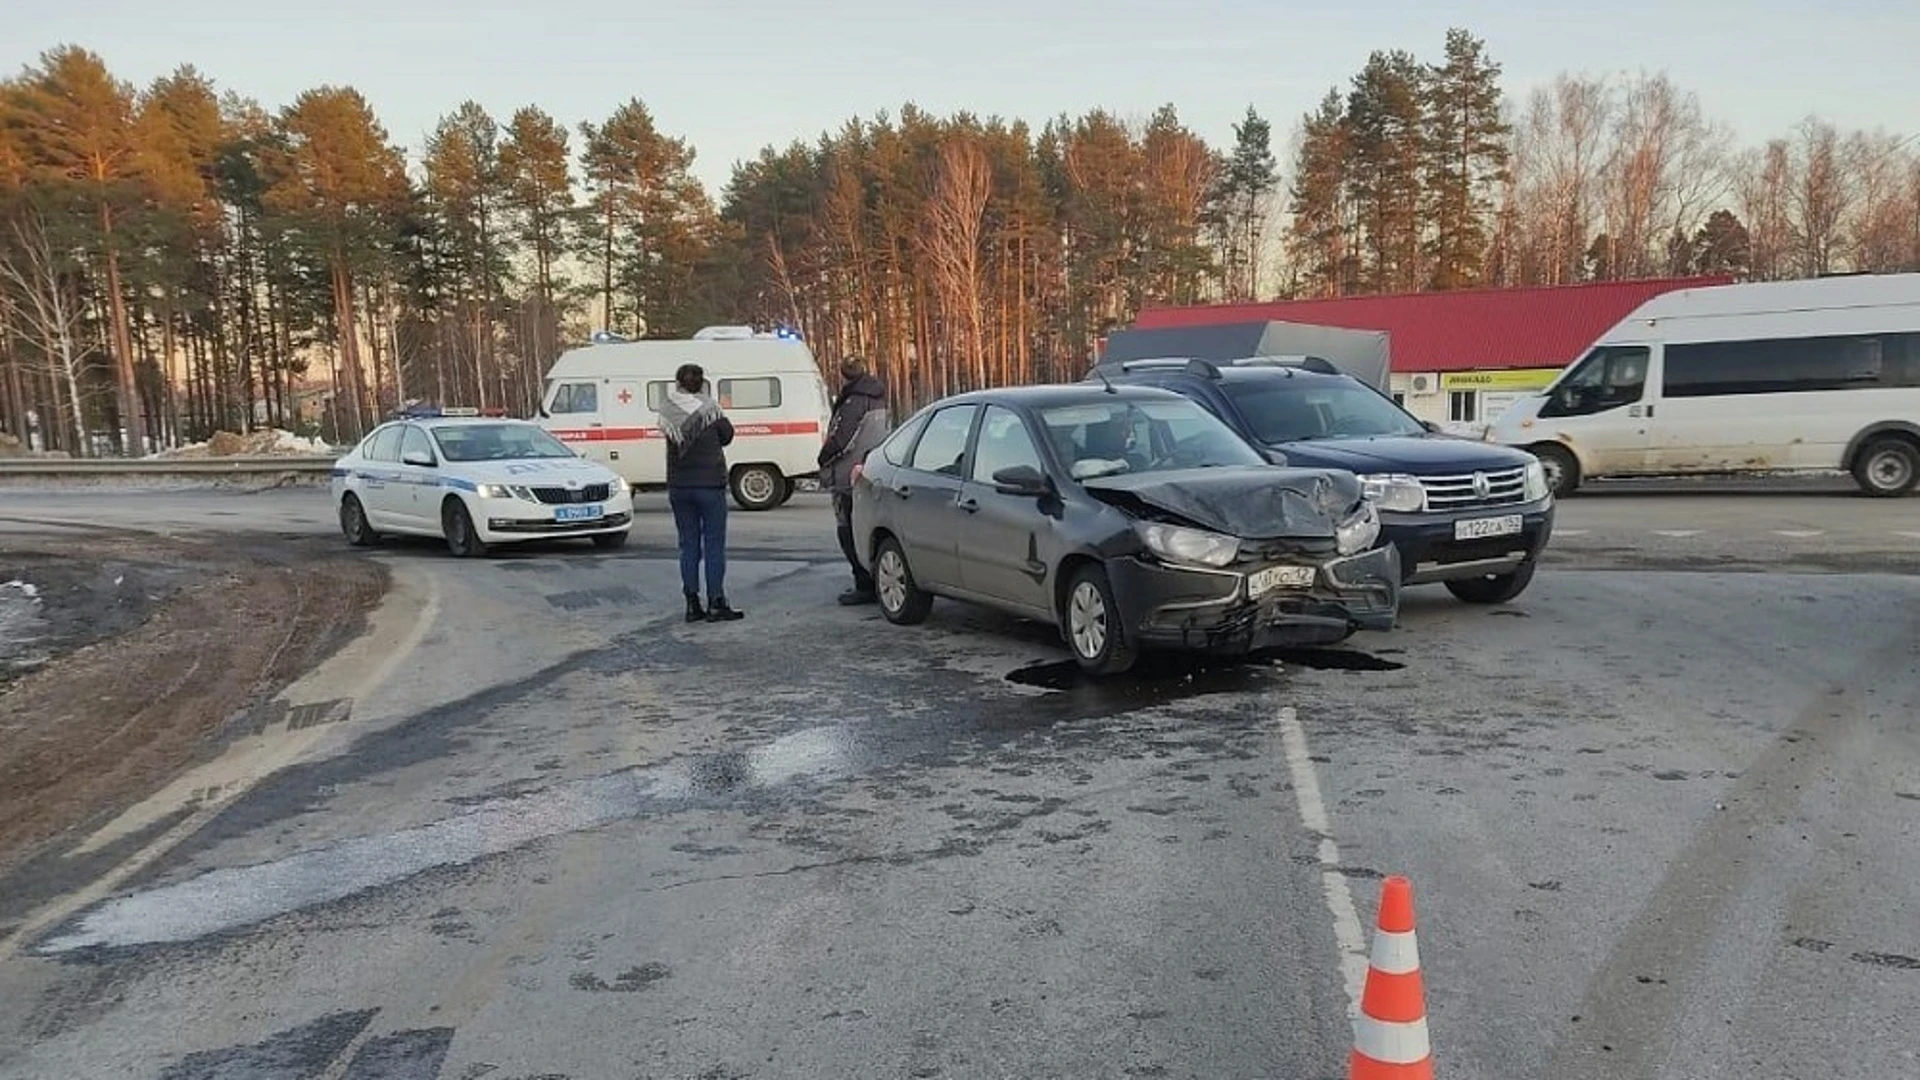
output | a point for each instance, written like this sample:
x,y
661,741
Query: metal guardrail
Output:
x,y
161,466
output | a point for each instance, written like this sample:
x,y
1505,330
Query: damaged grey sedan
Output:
x,y
1129,518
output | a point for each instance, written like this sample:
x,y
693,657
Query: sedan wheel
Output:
x,y
1093,625
457,526
901,601
353,523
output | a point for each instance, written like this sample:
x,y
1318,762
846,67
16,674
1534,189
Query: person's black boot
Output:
x,y
721,611
857,596
695,613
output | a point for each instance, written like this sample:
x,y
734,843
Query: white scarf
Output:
x,y
684,416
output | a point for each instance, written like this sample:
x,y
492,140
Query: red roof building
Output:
x,y
1452,349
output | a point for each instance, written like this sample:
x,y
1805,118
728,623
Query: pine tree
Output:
x,y
77,120
1319,234
535,165
1239,211
1466,143
340,183
1385,125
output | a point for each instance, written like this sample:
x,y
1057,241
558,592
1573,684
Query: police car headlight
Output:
x,y
493,491
1403,494
1536,482
1357,533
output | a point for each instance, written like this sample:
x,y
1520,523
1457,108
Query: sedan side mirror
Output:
x,y
424,461
1273,456
1432,426
1021,480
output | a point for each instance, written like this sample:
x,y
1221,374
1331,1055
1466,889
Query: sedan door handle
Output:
x,y
971,506
903,491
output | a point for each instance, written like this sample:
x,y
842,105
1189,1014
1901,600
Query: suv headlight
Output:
x,y
1536,482
1396,492
1180,545
1357,533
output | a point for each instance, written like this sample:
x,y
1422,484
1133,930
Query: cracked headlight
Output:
x,y
1357,533
1176,544
1402,494
1537,482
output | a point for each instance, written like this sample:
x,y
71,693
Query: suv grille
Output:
x,y
1506,487
587,494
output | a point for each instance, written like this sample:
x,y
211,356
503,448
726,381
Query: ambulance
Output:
x,y
603,400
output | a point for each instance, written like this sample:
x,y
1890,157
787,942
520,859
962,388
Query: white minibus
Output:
x,y
1791,376
603,399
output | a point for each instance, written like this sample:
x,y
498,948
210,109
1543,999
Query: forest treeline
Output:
x,y
176,260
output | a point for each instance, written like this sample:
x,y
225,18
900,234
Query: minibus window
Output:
x,y
1609,377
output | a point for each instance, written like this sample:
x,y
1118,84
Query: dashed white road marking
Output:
x,y
1799,534
1570,532
1908,535
1676,532
1347,930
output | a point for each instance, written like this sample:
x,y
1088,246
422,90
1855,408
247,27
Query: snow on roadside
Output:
x,y
272,442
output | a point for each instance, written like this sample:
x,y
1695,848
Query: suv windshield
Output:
x,y
1295,410
1103,438
497,442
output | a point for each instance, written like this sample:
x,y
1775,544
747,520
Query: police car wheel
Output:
x,y
353,523
457,526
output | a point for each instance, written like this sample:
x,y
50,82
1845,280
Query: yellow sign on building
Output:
x,y
1513,379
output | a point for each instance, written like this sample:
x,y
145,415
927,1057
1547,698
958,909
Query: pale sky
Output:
x,y
734,76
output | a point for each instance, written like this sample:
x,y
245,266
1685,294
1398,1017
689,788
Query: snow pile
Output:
x,y
270,443
21,625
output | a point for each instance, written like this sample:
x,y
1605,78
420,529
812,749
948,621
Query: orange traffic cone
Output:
x,y
1390,1035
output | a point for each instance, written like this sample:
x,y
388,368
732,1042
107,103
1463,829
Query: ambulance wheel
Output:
x,y
758,487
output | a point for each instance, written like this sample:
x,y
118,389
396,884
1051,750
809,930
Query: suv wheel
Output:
x,y
1493,590
1092,624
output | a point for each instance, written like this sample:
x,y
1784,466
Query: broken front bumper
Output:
x,y
1191,608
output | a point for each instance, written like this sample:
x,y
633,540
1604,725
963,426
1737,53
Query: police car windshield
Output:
x,y
1300,409
496,442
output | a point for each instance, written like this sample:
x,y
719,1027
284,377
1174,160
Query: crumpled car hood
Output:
x,y
1254,502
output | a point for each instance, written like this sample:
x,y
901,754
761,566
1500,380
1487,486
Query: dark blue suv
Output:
x,y
1473,515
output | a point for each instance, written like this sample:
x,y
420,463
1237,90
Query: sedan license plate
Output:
x,y
1481,528
578,513
1261,582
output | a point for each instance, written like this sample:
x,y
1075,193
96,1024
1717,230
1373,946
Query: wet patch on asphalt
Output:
x,y
299,1053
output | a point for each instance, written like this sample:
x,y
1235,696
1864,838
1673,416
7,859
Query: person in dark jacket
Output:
x,y
697,435
859,424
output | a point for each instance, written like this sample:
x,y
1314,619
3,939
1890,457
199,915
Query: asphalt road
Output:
x,y
1659,815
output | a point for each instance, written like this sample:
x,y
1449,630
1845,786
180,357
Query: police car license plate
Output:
x,y
1261,582
1481,528
578,513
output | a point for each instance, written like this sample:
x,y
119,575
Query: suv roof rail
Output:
x,y
1318,364
1205,369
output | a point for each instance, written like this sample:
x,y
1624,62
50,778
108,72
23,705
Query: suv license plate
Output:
x,y
578,513
1265,581
1481,528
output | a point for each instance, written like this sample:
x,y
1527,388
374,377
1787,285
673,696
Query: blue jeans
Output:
x,y
701,516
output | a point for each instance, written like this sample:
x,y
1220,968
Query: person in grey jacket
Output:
x,y
859,424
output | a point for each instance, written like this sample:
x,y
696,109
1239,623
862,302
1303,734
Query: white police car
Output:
x,y
475,482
